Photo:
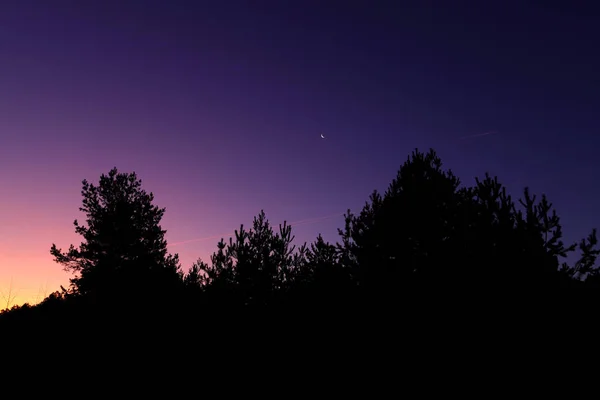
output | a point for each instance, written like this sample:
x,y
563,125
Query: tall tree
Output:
x,y
425,229
401,235
502,246
124,248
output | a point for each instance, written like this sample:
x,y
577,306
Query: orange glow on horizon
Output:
x,y
28,273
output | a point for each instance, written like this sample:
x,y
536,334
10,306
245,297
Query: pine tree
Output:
x,y
401,235
256,266
124,250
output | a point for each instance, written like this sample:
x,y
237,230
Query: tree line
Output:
x,y
427,238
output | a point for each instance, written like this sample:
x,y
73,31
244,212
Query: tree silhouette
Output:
x,y
402,235
425,240
322,278
123,250
323,260
426,231
8,297
539,230
585,267
257,266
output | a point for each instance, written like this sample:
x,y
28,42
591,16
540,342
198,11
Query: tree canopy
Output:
x,y
124,250
426,235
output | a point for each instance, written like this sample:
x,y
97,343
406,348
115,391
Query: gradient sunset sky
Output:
x,y
219,105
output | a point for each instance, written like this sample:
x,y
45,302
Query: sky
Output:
x,y
218,106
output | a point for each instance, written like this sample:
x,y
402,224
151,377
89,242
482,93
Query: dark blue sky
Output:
x,y
218,106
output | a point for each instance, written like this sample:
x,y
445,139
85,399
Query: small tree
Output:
x,y
585,267
324,277
8,297
321,256
257,265
123,248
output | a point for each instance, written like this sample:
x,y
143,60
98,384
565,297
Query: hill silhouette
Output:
x,y
428,247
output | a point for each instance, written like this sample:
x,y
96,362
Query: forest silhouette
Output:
x,y
428,245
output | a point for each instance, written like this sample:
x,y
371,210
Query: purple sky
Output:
x,y
218,107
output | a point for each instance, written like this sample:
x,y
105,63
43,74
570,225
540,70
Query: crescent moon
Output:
x,y
322,137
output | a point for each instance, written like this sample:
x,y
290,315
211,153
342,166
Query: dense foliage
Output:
x,y
426,237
